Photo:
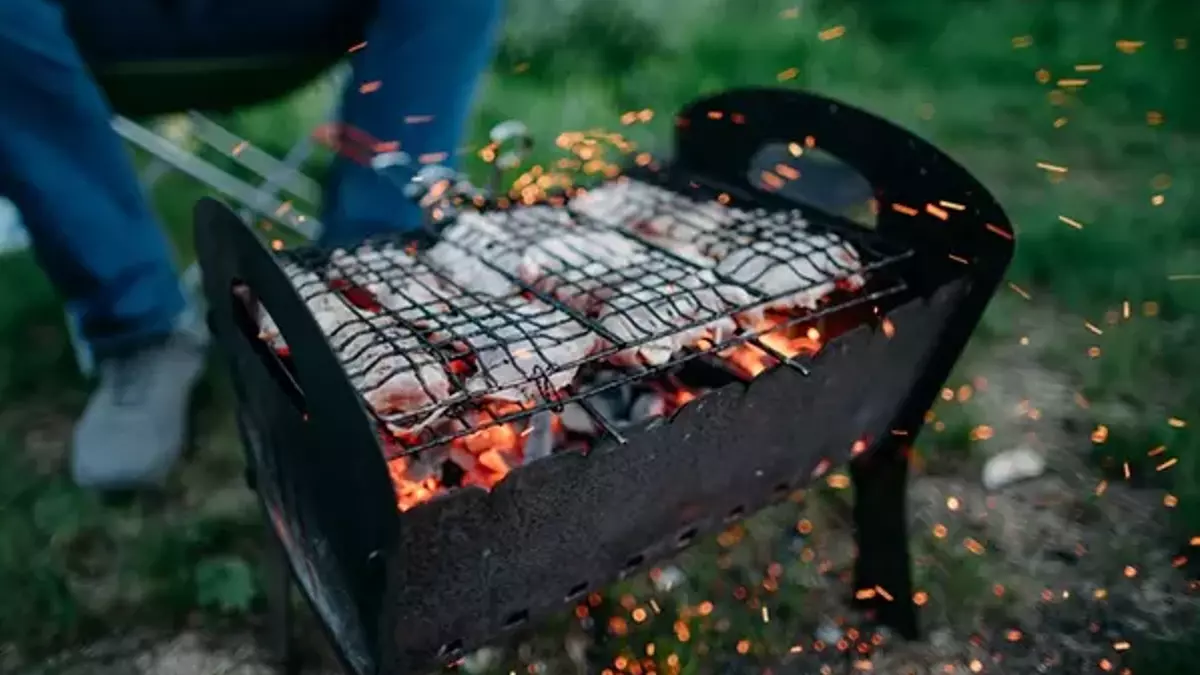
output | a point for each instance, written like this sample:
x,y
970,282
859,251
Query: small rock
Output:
x,y
941,639
648,405
481,660
797,543
576,646
1012,466
828,632
668,578
540,441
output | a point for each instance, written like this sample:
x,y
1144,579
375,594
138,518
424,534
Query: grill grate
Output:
x,y
428,336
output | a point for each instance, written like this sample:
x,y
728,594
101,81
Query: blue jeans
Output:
x,y
73,181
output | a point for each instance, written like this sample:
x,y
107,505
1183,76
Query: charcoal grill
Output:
x,y
401,590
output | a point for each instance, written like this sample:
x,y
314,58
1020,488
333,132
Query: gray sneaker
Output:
x,y
135,425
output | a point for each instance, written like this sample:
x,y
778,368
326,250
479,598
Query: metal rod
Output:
x,y
778,355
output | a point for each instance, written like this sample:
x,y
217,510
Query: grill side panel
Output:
x,y
472,565
311,451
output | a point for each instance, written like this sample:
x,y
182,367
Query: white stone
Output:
x,y
668,578
828,632
482,660
1012,466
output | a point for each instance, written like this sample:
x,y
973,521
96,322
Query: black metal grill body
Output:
x,y
402,591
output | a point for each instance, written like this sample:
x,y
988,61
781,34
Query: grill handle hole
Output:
x,y
516,619
576,591
244,306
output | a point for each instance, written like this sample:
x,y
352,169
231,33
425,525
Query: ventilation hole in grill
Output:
x,y
634,562
736,513
576,591
686,537
782,489
452,649
516,619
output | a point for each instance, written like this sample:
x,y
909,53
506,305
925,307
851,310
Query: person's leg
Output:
x,y
92,230
413,84
76,188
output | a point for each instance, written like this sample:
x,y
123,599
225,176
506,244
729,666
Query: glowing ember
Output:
x,y
775,336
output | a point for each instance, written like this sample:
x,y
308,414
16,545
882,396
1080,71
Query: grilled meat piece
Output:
x,y
521,349
467,248
668,311
798,275
384,359
397,281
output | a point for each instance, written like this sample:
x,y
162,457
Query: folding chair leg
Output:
x,y
883,569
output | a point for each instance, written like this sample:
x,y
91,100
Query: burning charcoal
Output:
x,y
452,474
613,404
577,420
464,459
414,479
646,406
620,395
540,440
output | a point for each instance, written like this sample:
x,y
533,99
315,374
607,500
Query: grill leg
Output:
x,y
881,533
279,606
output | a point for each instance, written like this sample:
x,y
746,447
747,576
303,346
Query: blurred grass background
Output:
x,y
983,79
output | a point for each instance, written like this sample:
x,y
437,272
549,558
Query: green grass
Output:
x,y
72,567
